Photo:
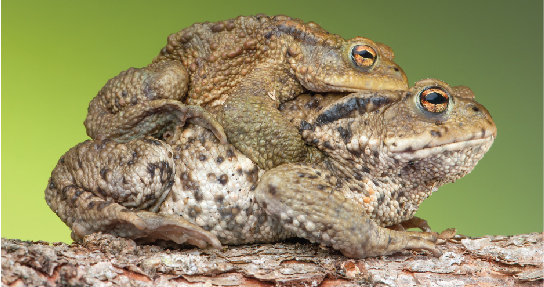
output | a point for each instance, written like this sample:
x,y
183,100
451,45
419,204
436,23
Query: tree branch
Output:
x,y
488,261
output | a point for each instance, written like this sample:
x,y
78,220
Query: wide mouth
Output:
x,y
354,89
438,149
351,83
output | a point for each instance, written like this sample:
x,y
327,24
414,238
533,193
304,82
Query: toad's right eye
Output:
x,y
363,56
434,100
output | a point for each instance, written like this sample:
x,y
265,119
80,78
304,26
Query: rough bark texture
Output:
x,y
109,261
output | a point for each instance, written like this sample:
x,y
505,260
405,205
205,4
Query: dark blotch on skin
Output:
x,y
149,197
252,175
102,205
202,157
103,173
220,160
225,212
230,153
312,104
304,125
436,134
163,167
344,109
65,190
408,149
327,145
249,211
223,179
101,191
341,110
188,184
194,211
272,189
345,133
219,198
380,199
199,196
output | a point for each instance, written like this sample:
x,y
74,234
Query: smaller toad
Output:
x,y
240,70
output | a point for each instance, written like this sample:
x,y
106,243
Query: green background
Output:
x,y
56,55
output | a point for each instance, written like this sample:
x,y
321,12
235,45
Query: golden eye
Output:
x,y
434,100
363,56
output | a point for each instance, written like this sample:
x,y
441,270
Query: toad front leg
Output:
x,y
255,126
142,102
116,188
311,204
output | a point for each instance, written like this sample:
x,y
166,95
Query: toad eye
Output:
x,y
363,56
434,100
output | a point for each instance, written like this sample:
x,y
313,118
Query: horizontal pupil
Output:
x,y
365,54
435,98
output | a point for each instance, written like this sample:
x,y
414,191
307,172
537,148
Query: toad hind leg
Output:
x,y
143,102
309,204
109,187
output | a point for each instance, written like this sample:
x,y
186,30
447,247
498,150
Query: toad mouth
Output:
x,y
355,89
453,146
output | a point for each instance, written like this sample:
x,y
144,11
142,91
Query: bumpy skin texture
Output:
x,y
241,69
382,154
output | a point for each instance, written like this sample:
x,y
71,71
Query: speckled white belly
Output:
x,y
214,187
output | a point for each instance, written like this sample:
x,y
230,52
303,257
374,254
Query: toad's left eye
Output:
x,y
363,56
434,100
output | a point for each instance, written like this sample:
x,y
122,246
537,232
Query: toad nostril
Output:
x,y
396,69
475,109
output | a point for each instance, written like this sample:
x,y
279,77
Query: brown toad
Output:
x,y
240,69
383,154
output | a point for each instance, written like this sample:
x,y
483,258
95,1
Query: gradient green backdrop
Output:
x,y
56,55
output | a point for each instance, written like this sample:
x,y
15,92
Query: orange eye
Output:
x,y
434,100
363,56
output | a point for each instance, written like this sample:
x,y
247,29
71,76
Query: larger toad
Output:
x,y
240,69
383,154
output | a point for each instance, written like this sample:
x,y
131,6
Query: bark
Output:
x,y
109,261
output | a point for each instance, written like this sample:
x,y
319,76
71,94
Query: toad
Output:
x,y
241,70
382,154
